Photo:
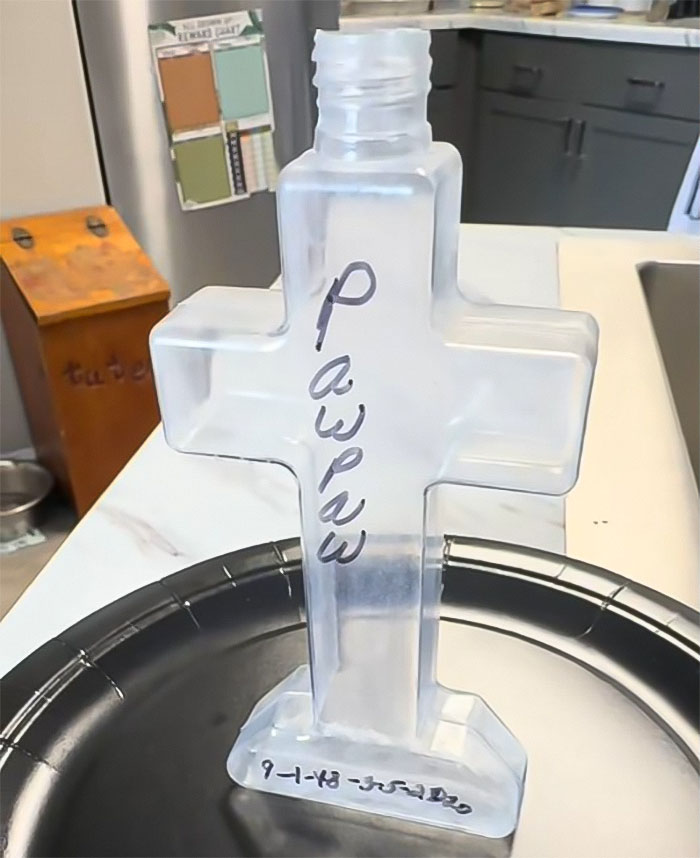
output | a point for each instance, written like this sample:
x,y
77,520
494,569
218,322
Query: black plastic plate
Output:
x,y
114,736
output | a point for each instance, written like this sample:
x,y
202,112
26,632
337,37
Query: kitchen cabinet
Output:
x,y
577,133
552,162
452,97
626,169
523,188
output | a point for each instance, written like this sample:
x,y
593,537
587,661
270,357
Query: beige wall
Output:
x,y
48,155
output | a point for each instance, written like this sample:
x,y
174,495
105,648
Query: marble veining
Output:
x,y
144,534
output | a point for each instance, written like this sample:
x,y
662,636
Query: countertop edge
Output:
x,y
623,30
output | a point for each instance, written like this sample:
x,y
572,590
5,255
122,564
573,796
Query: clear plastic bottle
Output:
x,y
373,383
375,189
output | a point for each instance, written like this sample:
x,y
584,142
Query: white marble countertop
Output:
x,y
626,28
634,509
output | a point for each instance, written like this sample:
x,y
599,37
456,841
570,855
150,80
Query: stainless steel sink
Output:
x,y
672,291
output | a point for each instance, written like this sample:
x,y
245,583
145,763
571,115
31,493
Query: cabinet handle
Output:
x,y
641,81
694,205
581,135
534,72
568,135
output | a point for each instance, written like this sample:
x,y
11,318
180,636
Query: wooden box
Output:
x,y
78,299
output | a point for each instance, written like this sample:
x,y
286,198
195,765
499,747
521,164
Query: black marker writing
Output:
x,y
335,296
346,461
333,779
338,554
333,377
331,511
336,430
334,386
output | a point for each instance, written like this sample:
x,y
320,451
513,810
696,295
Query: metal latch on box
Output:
x,y
25,239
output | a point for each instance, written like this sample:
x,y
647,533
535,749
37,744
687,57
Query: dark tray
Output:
x,y
115,735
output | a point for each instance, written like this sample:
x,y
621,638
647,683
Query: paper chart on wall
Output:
x,y
214,86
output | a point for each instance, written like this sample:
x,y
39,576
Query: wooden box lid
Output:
x,y
78,263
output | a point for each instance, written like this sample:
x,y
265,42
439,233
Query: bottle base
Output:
x,y
465,771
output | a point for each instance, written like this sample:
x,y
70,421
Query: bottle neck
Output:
x,y
372,94
367,124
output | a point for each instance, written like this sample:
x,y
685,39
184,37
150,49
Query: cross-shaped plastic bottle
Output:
x,y
374,380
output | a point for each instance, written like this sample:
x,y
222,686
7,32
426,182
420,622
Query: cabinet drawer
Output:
x,y
539,66
640,78
643,79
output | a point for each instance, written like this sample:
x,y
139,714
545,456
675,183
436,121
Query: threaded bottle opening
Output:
x,y
372,91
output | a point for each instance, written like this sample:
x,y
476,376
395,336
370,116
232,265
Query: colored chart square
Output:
x,y
201,169
240,77
189,91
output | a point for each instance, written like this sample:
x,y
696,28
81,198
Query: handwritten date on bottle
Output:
x,y
333,378
332,779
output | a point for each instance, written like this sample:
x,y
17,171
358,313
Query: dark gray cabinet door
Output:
x,y
627,168
443,116
451,101
446,81
522,162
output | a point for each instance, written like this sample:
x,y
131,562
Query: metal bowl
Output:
x,y
23,486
